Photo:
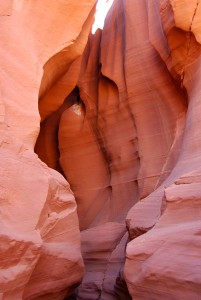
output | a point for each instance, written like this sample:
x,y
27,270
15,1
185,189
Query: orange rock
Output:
x,y
39,231
164,262
120,119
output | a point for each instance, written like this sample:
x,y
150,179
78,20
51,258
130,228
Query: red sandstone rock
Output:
x,y
39,231
165,262
128,143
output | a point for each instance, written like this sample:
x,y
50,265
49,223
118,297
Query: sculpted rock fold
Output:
x,y
165,261
39,236
120,120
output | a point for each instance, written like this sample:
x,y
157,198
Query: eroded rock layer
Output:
x,y
125,141
165,262
120,115
40,253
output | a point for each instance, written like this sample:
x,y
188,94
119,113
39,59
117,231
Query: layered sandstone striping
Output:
x,y
125,140
165,262
120,121
39,238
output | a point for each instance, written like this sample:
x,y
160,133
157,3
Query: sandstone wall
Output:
x,y
120,116
40,239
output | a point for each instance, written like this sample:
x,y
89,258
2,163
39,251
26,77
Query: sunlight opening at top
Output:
x,y
102,9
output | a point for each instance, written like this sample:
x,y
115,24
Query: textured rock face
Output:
x,y
120,121
165,261
40,255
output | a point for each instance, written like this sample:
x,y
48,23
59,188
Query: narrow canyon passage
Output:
x,y
101,137
100,150
116,136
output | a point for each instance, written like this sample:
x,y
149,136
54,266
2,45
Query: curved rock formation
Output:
x,y
166,260
120,115
39,230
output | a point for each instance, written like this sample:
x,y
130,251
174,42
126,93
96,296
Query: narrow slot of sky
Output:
x,y
102,9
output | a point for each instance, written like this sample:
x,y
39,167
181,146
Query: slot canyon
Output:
x,y
100,183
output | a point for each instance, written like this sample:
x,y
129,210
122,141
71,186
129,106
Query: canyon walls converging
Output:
x,y
100,146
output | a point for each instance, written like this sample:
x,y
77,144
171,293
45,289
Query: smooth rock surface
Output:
x,y
40,251
165,261
120,120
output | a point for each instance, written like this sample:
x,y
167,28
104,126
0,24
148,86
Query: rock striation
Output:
x,y
40,255
120,115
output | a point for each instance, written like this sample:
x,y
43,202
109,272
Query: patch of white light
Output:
x,y
102,9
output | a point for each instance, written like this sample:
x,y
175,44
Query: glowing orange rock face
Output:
x,y
134,86
120,120
165,261
39,230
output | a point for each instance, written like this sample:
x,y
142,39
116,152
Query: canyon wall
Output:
x,y
39,229
119,114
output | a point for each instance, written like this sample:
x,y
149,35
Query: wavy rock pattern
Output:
x,y
40,255
120,115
